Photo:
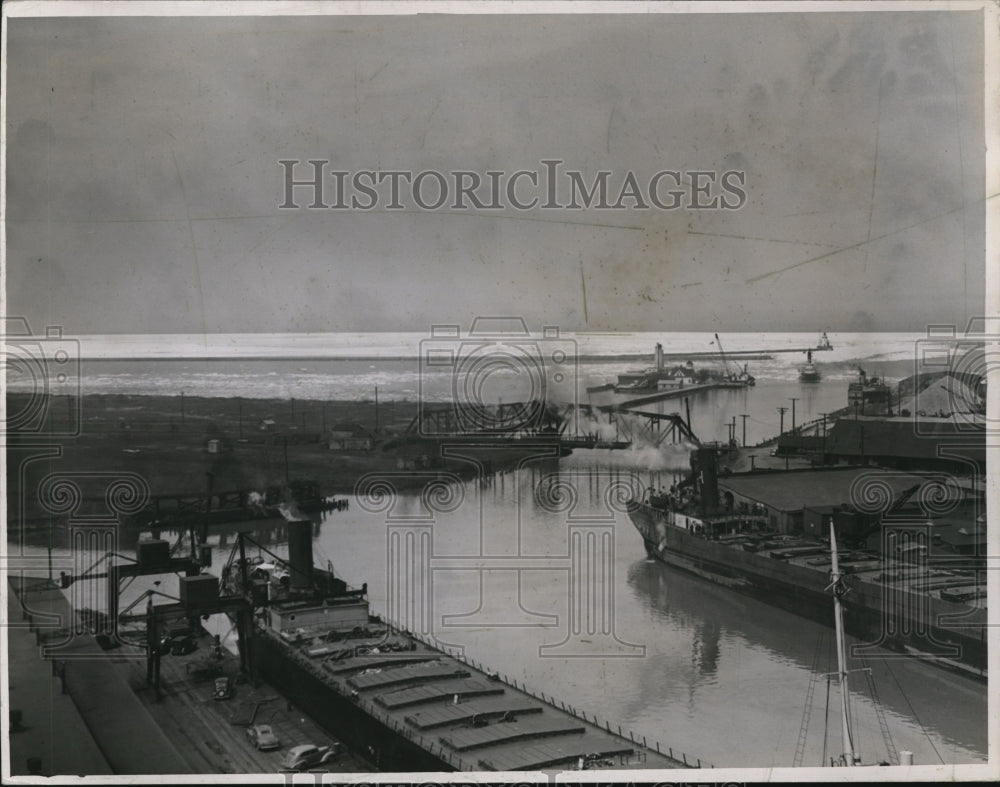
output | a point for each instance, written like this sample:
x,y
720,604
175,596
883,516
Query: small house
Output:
x,y
350,437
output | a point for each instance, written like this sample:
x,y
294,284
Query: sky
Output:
x,y
143,178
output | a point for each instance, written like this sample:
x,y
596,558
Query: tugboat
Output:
x,y
740,379
809,373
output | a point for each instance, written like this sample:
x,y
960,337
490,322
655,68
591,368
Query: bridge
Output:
x,y
641,426
533,418
572,425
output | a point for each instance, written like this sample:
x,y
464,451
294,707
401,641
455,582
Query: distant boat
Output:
x,y
809,373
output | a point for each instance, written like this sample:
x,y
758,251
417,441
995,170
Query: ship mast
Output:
x,y
838,590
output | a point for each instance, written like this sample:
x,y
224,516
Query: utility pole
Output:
x,y
824,436
241,417
744,416
782,410
794,400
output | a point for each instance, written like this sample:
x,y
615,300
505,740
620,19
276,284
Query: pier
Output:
x,y
672,393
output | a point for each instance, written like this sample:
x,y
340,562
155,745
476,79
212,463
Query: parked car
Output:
x,y
181,646
263,737
307,755
223,688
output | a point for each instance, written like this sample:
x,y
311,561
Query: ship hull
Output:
x,y
343,717
360,704
889,617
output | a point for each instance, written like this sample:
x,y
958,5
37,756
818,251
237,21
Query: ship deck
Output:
x,y
937,576
466,714
944,575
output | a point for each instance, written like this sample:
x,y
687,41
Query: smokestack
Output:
x,y
300,553
708,480
659,357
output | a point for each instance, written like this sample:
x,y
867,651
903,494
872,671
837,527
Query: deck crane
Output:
x,y
740,375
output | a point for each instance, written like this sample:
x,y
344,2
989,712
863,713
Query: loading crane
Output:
x,y
740,375
722,353
199,597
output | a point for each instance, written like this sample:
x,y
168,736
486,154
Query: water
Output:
x,y
701,669
715,674
693,666
402,368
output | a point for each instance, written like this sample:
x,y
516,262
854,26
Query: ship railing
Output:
x,y
459,655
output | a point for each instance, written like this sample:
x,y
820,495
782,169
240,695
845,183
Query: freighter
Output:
x,y
913,601
395,697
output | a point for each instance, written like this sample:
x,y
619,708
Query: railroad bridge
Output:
x,y
573,425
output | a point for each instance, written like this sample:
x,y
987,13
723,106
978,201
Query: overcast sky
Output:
x,y
143,177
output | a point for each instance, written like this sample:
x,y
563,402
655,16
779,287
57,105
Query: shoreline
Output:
x,y
193,448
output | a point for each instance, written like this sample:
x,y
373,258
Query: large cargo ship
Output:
x,y
398,699
911,601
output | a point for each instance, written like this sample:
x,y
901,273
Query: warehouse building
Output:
x,y
785,495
